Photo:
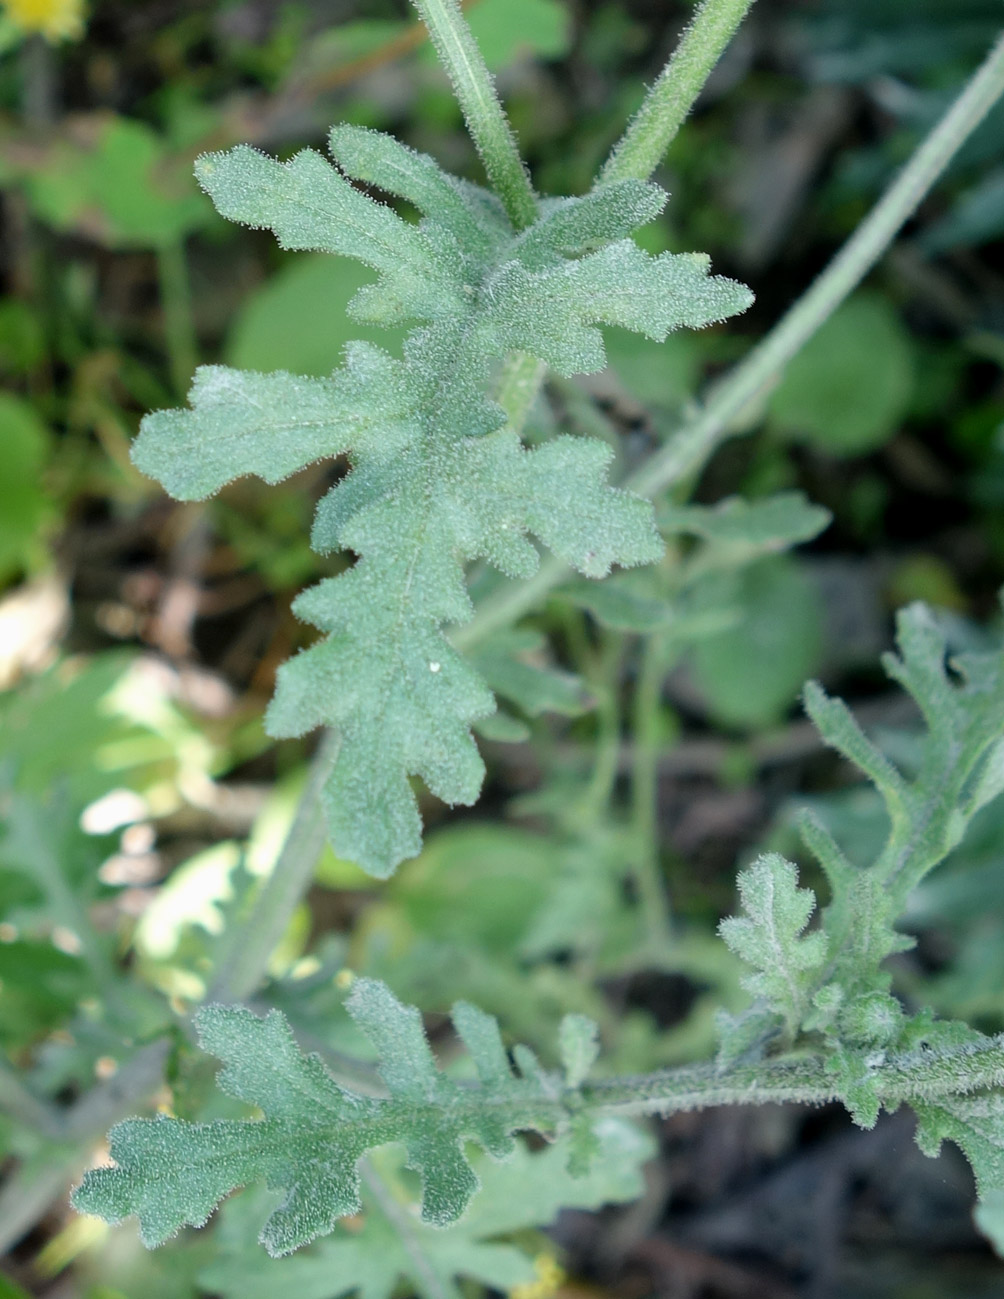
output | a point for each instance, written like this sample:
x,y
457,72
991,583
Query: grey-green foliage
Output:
x,y
314,1131
731,536
770,938
823,1023
738,530
830,988
391,1245
962,704
437,479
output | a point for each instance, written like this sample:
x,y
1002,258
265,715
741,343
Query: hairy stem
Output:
x,y
605,682
23,1106
245,953
645,792
691,447
652,129
402,1223
917,1078
472,83
39,97
30,1191
694,443
176,304
250,943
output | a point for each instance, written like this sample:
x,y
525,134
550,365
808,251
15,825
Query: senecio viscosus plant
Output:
x,y
439,476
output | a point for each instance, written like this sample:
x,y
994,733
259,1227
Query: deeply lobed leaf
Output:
x,y
770,938
958,772
275,424
169,1172
976,1125
390,1247
435,479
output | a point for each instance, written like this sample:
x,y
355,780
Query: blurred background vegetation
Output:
x,y
139,797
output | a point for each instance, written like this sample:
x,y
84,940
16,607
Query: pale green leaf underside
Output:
x,y
313,1132
435,479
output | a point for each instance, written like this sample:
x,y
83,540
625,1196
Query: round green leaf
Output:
x,y
296,321
848,389
127,190
509,29
752,673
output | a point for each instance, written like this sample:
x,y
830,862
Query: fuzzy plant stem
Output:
x,y
645,794
922,1076
694,443
252,940
475,91
25,1107
176,305
689,450
668,102
39,104
518,387
29,1192
604,681
637,155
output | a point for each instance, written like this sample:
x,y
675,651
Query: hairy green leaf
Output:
x,y
976,1125
314,1131
392,1246
274,424
749,528
310,205
770,938
962,702
510,664
436,479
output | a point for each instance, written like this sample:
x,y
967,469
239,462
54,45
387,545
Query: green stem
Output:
x,y
644,143
250,943
244,959
26,1108
921,1077
583,413
39,105
402,1223
176,304
605,681
694,443
510,603
472,84
691,447
30,1191
645,792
